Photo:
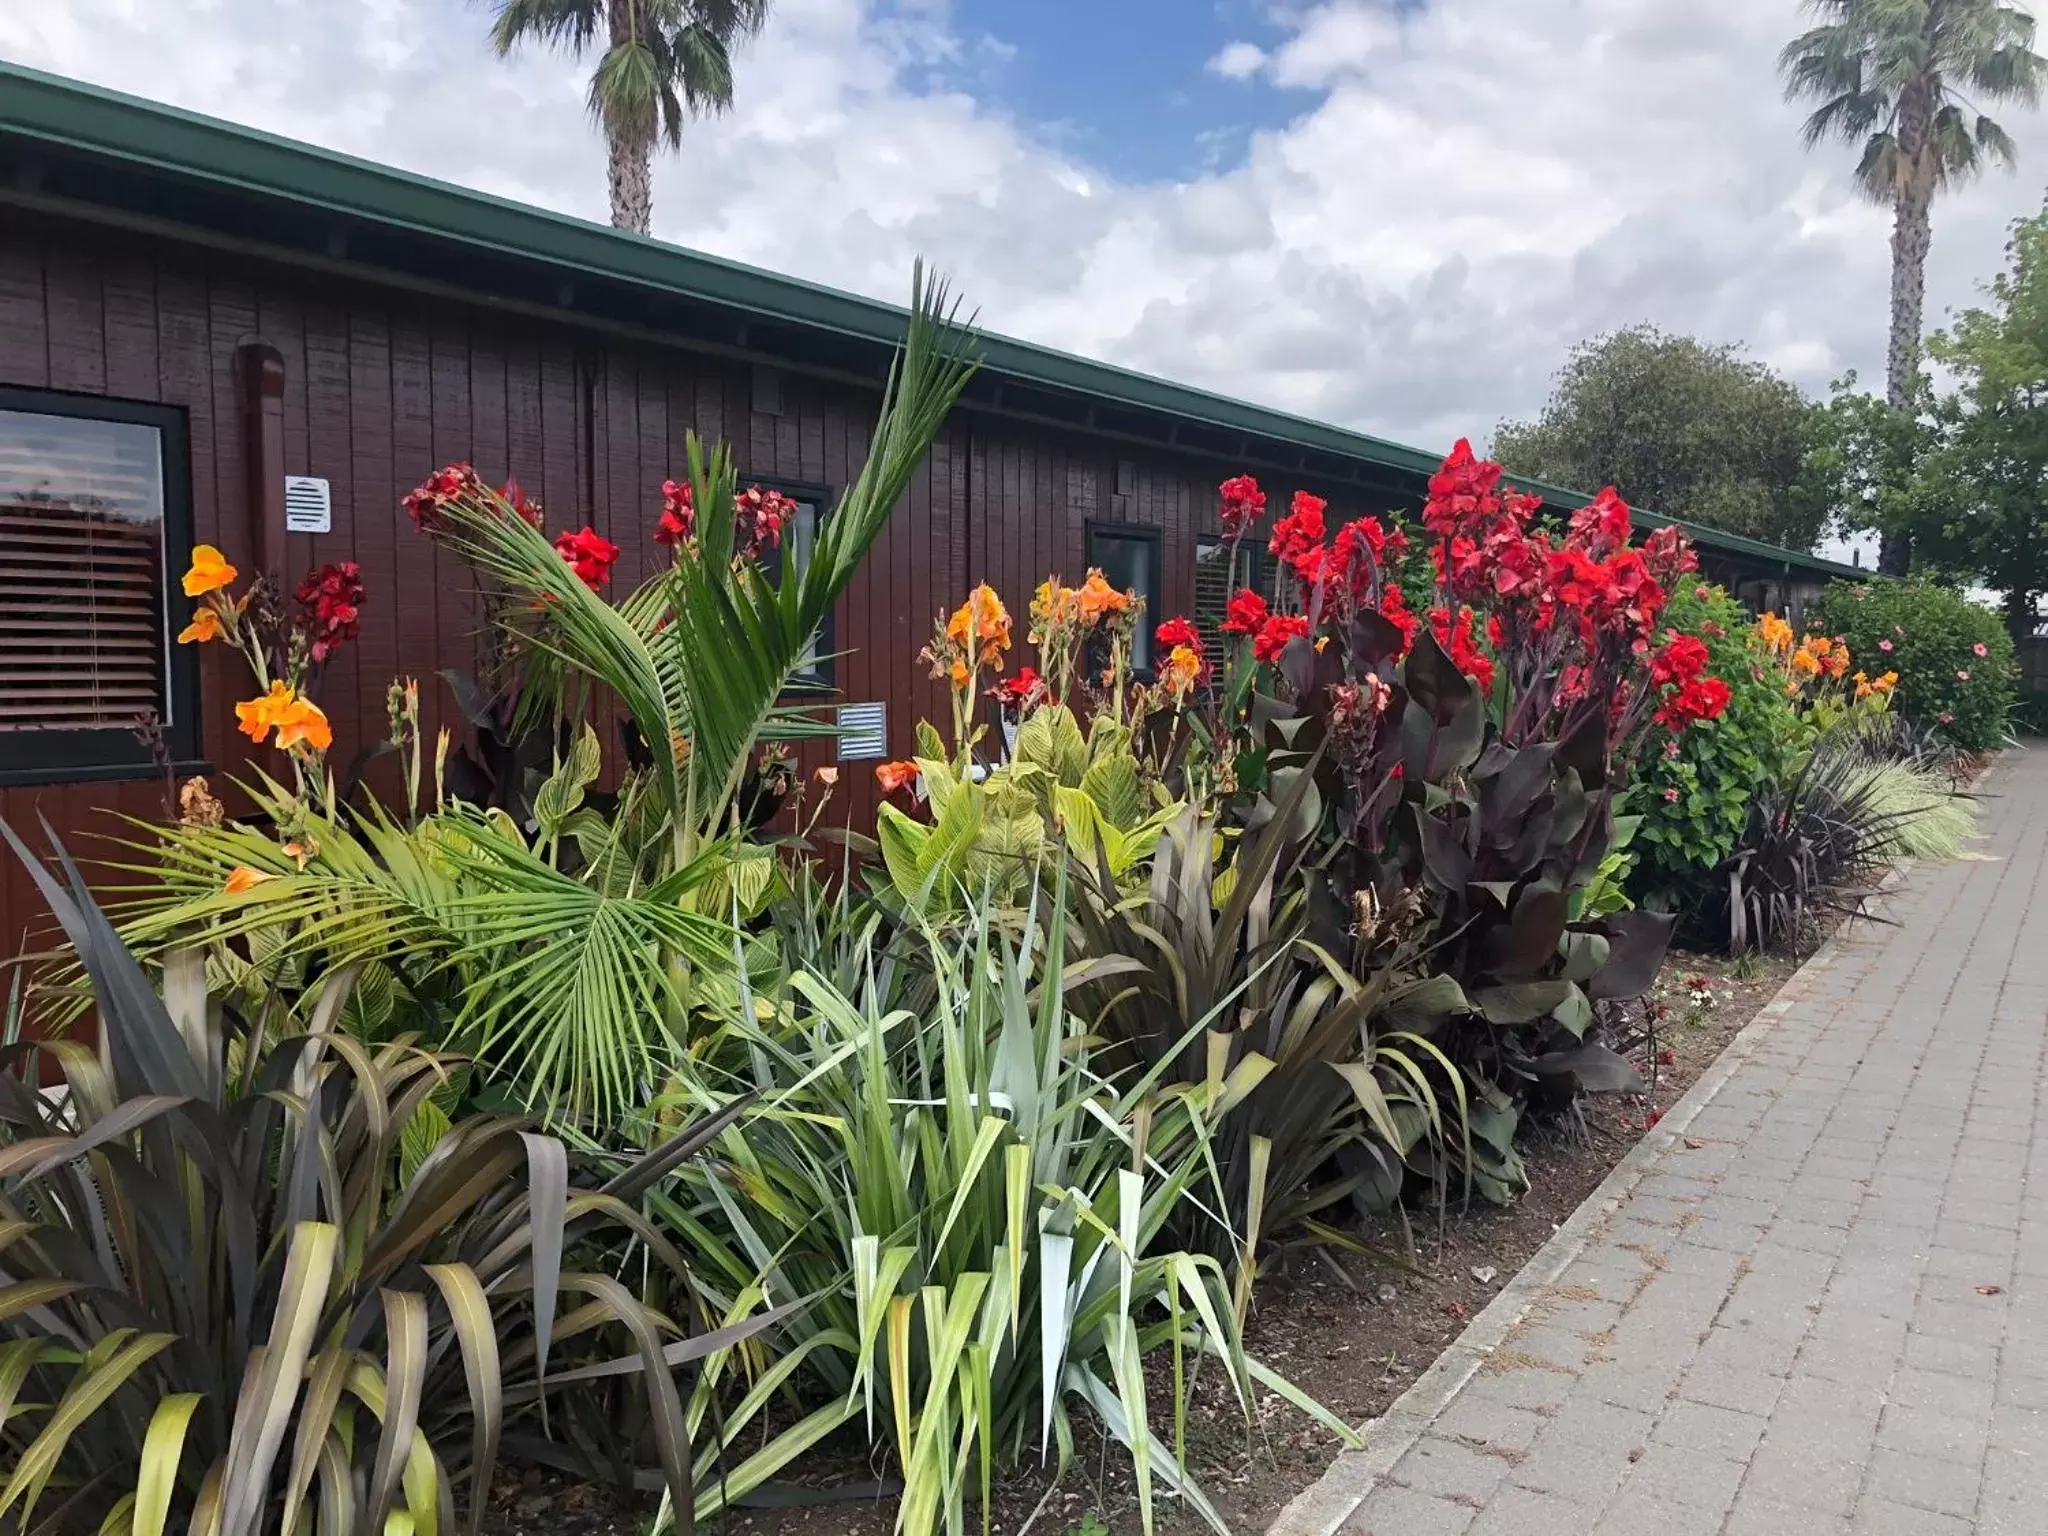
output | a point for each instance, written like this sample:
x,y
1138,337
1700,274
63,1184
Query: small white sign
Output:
x,y
863,732
308,505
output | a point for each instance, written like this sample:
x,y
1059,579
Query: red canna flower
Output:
x,y
1669,555
1276,632
1683,658
1603,525
1457,638
678,523
762,517
591,553
1364,539
1243,504
1697,699
1461,493
330,601
1016,690
1300,530
1394,609
522,505
1246,614
1177,631
424,503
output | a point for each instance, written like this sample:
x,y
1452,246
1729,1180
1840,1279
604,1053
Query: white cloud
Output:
x,y
1338,39
1238,61
1467,190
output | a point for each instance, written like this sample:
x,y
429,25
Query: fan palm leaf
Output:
x,y
565,986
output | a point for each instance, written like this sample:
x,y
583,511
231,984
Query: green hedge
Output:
x,y
1935,635
1693,790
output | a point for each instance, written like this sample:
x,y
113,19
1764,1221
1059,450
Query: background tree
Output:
x,y
1872,461
1686,429
1900,79
665,62
1986,519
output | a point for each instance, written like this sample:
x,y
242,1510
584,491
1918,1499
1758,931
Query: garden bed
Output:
x,y
1350,1331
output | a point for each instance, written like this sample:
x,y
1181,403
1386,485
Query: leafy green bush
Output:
x,y
1954,659
1693,789
223,1304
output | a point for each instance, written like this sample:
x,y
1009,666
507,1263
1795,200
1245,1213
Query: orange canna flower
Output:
x,y
895,776
297,721
303,722
1774,632
984,617
1182,667
1055,604
1886,683
205,626
257,716
1098,597
210,571
242,878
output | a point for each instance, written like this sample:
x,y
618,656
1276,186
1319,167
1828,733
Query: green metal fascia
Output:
x,y
59,111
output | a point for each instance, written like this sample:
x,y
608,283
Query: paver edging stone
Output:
x,y
1322,1508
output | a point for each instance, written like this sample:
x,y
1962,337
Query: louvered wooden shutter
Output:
x,y
82,642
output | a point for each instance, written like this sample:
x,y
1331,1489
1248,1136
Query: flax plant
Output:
x,y
986,1220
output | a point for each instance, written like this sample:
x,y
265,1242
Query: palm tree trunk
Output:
x,y
632,177
629,146
1912,234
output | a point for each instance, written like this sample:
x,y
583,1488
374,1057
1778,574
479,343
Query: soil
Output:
x,y
1352,1332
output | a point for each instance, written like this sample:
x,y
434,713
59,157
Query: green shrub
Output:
x,y
1954,658
1693,790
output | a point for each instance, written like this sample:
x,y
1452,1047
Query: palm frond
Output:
x,y
700,68
567,987
567,24
625,89
1881,170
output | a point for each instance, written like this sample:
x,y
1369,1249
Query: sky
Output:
x,y
1397,215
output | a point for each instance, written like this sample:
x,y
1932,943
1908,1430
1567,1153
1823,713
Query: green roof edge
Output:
x,y
62,111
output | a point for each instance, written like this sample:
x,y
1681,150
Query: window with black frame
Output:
x,y
1128,557
799,540
1213,584
94,518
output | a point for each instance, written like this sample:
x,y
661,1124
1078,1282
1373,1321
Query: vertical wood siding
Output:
x,y
382,386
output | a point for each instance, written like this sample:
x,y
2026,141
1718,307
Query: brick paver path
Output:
x,y
1831,1314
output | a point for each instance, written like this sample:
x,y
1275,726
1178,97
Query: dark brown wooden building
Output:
x,y
192,312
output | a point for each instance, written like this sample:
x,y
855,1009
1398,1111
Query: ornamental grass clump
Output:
x,y
988,1219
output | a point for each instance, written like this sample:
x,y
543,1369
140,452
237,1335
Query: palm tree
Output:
x,y
1898,77
668,61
